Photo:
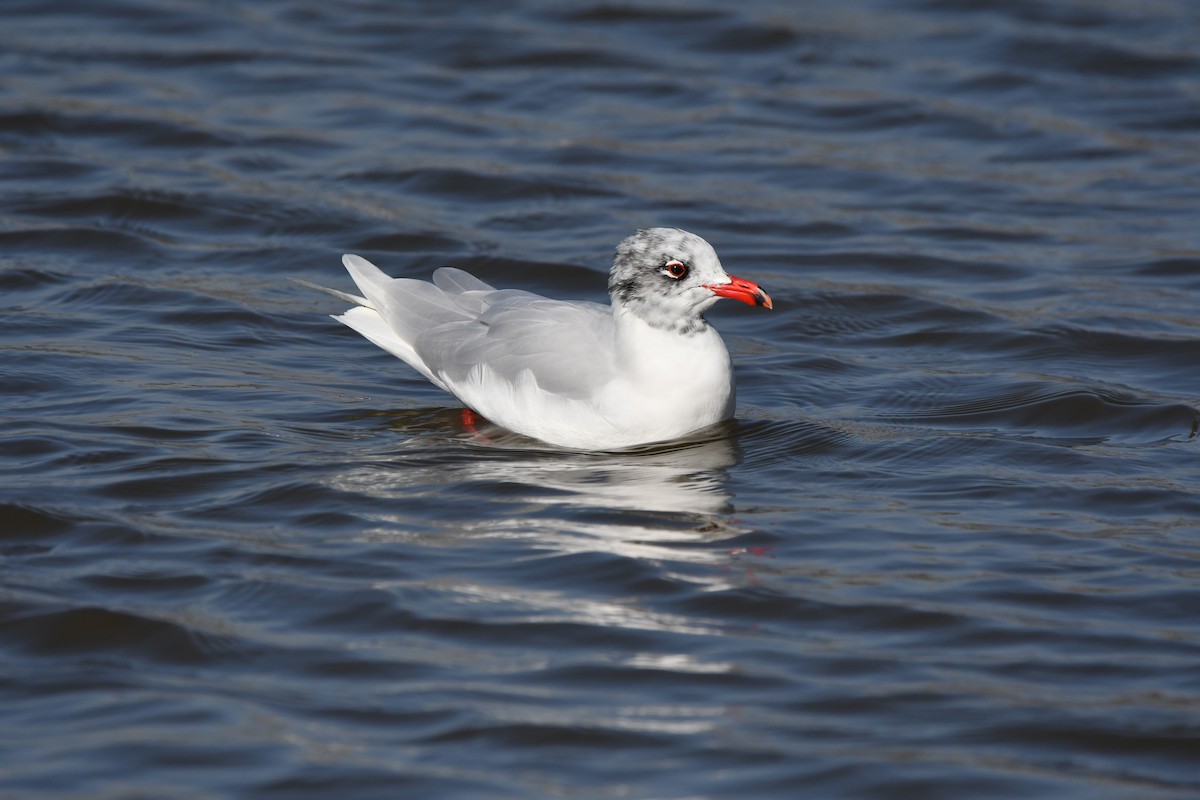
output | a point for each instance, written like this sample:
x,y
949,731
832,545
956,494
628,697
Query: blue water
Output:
x,y
949,548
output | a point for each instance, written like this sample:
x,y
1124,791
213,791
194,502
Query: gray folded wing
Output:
x,y
566,347
459,327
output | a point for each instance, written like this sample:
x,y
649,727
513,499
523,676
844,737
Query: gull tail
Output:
x,y
365,317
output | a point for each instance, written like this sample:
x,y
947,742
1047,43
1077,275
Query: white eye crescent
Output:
x,y
675,269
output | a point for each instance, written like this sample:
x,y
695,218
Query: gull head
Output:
x,y
669,277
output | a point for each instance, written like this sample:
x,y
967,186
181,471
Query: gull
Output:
x,y
575,374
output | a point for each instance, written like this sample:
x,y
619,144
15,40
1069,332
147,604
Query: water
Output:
x,y
949,548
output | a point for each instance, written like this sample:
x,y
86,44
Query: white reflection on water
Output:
x,y
682,477
632,503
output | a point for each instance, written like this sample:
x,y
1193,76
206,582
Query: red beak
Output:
x,y
738,289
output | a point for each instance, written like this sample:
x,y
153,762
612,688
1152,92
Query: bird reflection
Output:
x,y
631,500
683,477
687,475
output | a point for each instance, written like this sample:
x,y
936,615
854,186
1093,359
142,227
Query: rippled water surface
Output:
x,y
949,548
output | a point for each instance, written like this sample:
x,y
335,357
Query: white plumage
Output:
x,y
575,374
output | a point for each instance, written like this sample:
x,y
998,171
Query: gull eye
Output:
x,y
674,269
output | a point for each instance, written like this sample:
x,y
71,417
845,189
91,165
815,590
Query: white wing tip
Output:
x,y
350,261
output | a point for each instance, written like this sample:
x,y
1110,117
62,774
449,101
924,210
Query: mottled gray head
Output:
x,y
668,277
663,275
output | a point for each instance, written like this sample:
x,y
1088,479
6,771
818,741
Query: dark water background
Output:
x,y
950,548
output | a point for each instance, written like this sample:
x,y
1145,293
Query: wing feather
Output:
x,y
453,280
522,336
458,329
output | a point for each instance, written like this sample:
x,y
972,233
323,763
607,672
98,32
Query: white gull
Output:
x,y
575,374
